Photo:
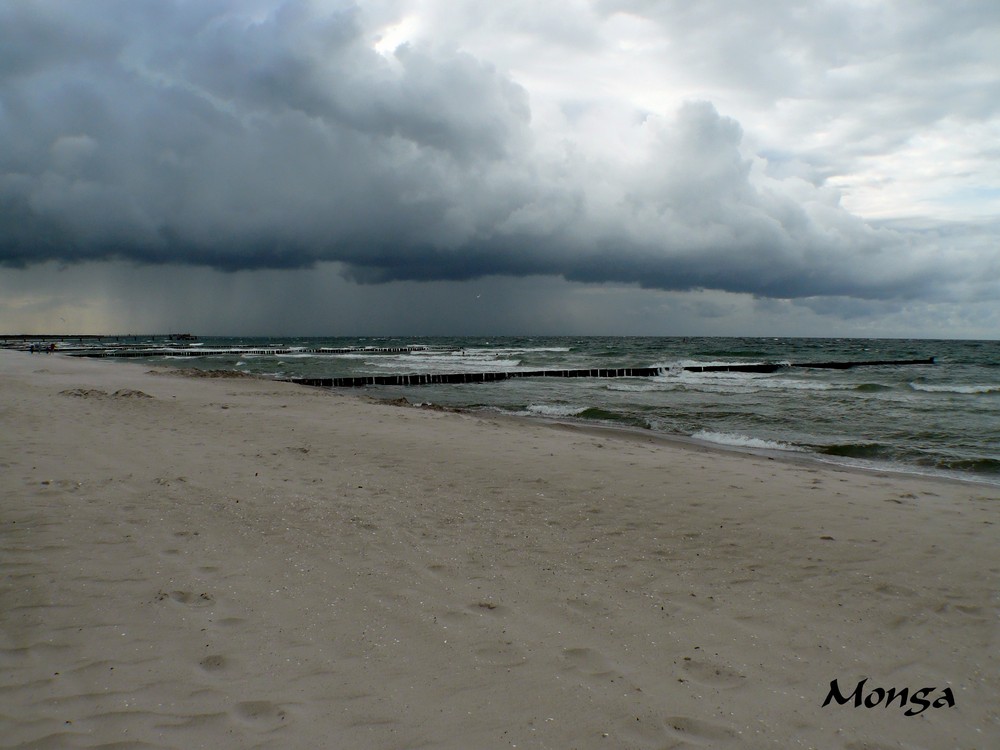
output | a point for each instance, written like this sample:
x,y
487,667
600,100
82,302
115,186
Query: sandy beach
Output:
x,y
240,563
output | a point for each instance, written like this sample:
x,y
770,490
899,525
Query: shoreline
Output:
x,y
240,562
937,446
792,455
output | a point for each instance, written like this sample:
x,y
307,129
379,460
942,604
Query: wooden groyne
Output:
x,y
475,377
870,363
774,367
597,372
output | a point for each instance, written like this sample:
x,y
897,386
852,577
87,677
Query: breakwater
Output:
x,y
597,372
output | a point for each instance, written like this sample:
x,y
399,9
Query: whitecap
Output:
x,y
555,410
963,389
737,440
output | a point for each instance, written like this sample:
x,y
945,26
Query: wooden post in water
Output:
x,y
621,372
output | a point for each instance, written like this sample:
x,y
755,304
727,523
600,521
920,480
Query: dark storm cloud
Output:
x,y
273,135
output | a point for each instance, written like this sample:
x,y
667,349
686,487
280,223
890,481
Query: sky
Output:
x,y
454,167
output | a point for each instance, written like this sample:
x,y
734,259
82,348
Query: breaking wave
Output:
x,y
737,440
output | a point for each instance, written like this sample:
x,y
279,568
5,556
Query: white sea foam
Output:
x,y
744,382
555,410
445,363
654,384
678,365
511,351
709,382
798,385
964,389
742,441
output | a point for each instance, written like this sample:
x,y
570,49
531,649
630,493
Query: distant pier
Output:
x,y
597,372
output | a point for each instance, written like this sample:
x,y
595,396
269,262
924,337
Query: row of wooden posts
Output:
x,y
617,372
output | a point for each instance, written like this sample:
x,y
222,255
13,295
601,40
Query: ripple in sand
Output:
x,y
206,722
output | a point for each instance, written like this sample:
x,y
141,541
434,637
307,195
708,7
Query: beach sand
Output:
x,y
238,563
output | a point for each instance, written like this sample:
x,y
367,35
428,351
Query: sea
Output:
x,y
940,419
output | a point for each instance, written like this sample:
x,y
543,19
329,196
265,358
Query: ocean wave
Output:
x,y
447,364
737,440
590,413
605,415
796,385
654,385
856,450
739,382
679,365
735,353
963,389
556,410
507,351
989,466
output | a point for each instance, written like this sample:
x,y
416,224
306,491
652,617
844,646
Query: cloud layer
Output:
x,y
275,135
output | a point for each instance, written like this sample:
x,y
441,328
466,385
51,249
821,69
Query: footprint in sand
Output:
x,y
502,654
588,606
697,731
711,675
214,663
893,591
263,715
187,597
589,663
488,605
